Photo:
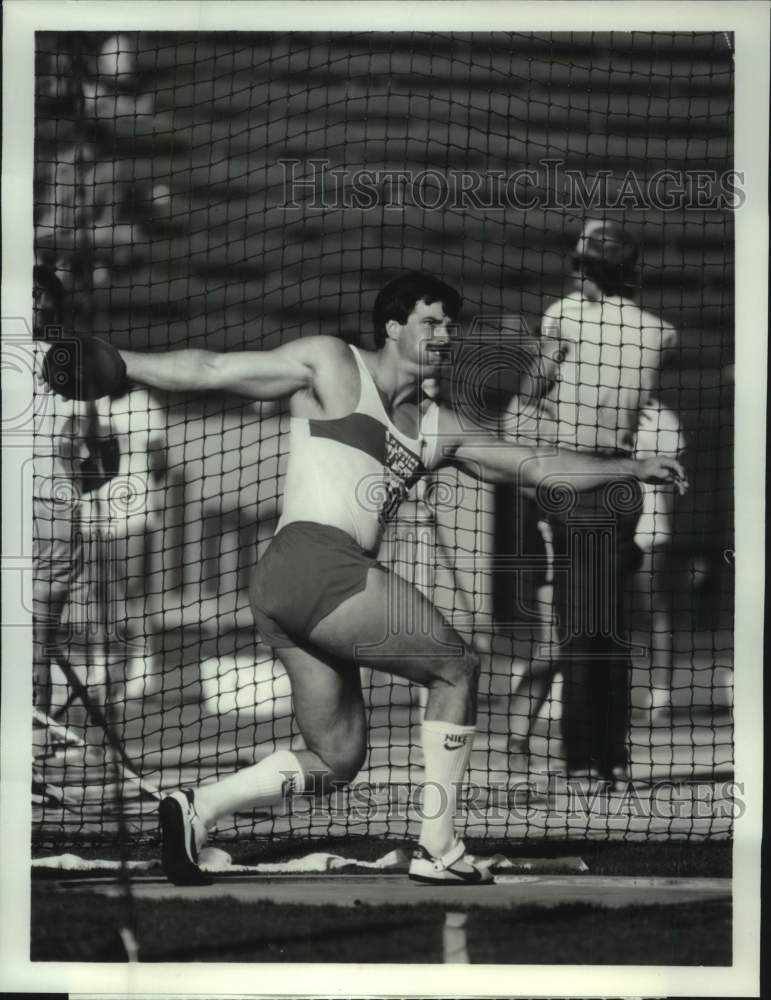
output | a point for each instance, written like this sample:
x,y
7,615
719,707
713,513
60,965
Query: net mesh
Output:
x,y
236,191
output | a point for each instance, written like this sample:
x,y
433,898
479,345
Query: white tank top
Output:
x,y
353,472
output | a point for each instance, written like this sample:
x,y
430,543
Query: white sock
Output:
x,y
446,753
265,784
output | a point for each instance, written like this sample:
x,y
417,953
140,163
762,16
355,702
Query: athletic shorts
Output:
x,y
307,571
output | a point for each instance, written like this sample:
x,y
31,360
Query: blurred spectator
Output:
x,y
600,360
89,204
64,469
97,472
659,433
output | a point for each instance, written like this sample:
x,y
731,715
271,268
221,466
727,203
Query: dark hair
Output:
x,y
400,296
46,278
611,279
48,300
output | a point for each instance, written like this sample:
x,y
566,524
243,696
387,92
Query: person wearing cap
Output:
x,y
600,356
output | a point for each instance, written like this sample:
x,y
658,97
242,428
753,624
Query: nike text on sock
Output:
x,y
446,753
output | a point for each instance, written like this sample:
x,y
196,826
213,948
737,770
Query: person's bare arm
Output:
x,y
260,375
531,467
496,461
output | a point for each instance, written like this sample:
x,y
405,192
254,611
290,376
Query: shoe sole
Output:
x,y
176,865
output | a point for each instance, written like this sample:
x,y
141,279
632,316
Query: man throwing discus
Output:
x,y
360,437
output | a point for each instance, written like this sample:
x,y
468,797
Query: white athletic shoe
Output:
x,y
453,868
182,833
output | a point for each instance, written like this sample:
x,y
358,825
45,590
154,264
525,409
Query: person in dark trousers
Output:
x,y
599,365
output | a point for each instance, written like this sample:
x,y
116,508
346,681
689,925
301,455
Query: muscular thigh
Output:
x,y
328,703
390,626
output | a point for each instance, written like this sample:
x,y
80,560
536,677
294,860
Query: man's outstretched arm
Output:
x,y
532,467
88,368
497,461
261,375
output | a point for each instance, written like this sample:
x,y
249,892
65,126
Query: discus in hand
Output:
x,y
84,368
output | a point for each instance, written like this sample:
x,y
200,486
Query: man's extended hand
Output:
x,y
663,470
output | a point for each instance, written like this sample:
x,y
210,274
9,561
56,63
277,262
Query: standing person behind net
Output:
x,y
71,457
659,433
360,436
56,547
118,516
601,355
95,464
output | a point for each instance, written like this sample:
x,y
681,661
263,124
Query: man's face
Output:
x,y
425,338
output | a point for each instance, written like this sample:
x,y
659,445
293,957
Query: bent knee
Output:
x,y
345,769
462,670
473,663
341,767
470,665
